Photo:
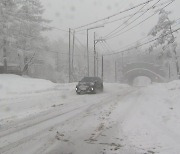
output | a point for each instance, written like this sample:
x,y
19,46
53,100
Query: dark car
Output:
x,y
89,85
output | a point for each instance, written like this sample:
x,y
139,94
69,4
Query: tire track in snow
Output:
x,y
41,117
110,102
115,103
24,126
103,99
29,137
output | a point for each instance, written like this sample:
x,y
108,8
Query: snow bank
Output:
x,y
21,97
14,84
155,123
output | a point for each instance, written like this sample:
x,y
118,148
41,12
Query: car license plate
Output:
x,y
82,87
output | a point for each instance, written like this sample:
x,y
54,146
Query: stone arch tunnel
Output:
x,y
152,71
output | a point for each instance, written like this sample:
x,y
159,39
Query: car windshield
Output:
x,y
89,79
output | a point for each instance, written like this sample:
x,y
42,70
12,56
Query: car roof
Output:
x,y
92,78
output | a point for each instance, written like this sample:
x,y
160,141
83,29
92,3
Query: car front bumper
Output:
x,y
85,90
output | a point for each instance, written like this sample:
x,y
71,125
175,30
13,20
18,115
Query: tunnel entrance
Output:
x,y
141,81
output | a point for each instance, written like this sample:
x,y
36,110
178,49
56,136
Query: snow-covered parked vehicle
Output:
x,y
89,85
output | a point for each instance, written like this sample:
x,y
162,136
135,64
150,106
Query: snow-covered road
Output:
x,y
122,119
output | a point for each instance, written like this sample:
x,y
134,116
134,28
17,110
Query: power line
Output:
x,y
60,53
102,46
108,46
80,42
126,20
141,21
103,43
143,43
13,43
152,7
105,46
137,13
30,36
107,18
121,18
52,27
130,44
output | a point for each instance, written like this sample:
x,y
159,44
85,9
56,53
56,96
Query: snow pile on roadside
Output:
x,y
155,121
21,97
14,84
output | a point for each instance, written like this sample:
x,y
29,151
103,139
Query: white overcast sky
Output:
x,y
73,13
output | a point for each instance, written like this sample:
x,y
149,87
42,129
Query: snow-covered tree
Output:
x,y
6,23
21,26
166,39
30,27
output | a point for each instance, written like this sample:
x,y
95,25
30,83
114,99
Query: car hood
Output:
x,y
85,83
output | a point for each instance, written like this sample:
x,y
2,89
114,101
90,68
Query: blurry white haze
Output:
x,y
48,46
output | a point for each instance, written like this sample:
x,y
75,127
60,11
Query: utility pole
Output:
x,y
115,71
97,59
94,54
4,55
177,63
88,45
57,62
176,56
4,40
169,66
122,59
102,69
69,55
73,48
87,52
95,42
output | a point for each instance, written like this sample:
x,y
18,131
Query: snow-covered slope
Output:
x,y
154,121
46,118
14,84
24,96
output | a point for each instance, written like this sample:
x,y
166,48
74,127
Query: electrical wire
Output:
x,y
152,7
108,46
143,43
109,34
103,46
138,41
129,9
119,19
141,21
103,43
80,43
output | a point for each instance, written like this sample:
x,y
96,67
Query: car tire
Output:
x,y
102,88
78,93
95,91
